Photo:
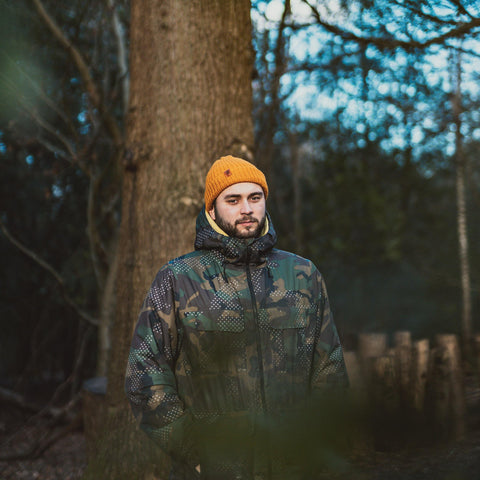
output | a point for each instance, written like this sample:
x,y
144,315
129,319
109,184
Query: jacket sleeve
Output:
x,y
329,366
150,380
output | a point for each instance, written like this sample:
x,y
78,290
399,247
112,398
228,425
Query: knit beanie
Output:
x,y
227,171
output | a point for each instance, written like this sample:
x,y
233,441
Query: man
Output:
x,y
233,342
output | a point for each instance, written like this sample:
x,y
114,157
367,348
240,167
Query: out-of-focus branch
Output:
x,y
74,53
54,149
14,398
40,92
413,7
92,231
460,29
43,441
461,8
53,131
80,63
122,54
46,266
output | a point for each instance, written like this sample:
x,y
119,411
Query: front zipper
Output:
x,y
256,318
257,333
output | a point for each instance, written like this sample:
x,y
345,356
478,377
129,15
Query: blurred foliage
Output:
x,y
357,127
58,184
368,114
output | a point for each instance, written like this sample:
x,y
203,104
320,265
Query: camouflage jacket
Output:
x,y
231,336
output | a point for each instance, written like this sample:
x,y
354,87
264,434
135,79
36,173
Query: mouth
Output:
x,y
246,222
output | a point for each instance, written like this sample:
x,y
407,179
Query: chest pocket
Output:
x,y
214,342
291,335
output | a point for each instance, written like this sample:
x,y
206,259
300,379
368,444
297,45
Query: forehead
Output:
x,y
242,188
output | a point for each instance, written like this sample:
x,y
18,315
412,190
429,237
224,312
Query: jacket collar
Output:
x,y
235,250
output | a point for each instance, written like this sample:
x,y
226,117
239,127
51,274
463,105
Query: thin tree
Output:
x,y
462,221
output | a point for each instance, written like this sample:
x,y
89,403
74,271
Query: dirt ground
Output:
x,y
66,459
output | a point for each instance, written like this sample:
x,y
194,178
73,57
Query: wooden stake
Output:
x,y
384,382
371,345
419,374
403,362
448,395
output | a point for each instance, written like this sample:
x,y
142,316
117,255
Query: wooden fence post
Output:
x,y
447,388
355,375
384,382
371,345
419,374
403,361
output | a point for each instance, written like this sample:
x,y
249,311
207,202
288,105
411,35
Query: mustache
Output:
x,y
248,218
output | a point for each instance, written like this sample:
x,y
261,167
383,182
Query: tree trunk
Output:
x,y
266,142
460,168
190,102
297,194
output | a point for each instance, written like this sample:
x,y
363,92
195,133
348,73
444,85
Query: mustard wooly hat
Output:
x,y
227,171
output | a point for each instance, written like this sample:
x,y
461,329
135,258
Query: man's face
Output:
x,y
240,210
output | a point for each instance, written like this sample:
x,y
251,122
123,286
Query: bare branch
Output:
x,y
46,266
412,7
83,69
461,8
31,111
40,92
93,235
44,441
75,424
74,53
53,131
14,398
461,29
54,149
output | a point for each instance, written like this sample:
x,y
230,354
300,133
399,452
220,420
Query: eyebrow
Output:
x,y
237,195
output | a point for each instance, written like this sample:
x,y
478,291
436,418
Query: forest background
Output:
x,y
367,125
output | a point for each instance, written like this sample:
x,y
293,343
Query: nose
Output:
x,y
245,208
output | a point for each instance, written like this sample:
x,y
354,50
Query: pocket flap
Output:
x,y
290,317
215,320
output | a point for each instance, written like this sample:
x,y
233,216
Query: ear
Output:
x,y
211,212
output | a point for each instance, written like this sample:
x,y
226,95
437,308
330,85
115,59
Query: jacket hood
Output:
x,y
236,250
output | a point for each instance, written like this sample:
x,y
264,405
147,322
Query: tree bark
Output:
x,y
190,102
460,169
266,143
295,163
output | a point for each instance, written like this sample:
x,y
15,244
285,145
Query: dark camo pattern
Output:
x,y
234,332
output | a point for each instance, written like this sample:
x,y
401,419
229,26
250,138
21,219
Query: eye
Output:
x,y
256,198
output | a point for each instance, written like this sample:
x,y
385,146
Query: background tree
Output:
x,y
370,97
61,124
190,106
462,223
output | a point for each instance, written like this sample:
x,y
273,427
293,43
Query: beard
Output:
x,y
233,229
